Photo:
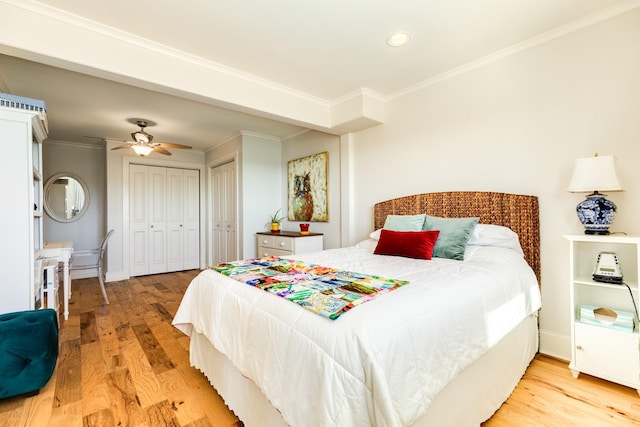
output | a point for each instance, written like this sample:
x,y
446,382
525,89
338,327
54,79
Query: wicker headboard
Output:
x,y
518,212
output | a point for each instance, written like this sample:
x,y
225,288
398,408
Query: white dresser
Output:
x,y
288,243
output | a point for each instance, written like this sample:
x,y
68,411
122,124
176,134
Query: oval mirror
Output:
x,y
66,197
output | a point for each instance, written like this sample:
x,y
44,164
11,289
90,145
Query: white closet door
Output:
x,y
164,219
230,212
157,220
175,208
224,212
139,220
191,220
217,190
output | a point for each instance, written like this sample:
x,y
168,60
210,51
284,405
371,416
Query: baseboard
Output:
x,y
83,274
555,345
115,276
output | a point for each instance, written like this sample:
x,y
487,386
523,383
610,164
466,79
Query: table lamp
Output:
x,y
592,175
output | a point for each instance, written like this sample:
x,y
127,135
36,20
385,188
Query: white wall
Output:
x,y
86,162
307,144
261,193
517,125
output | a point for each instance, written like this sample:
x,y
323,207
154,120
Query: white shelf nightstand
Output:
x,y
602,351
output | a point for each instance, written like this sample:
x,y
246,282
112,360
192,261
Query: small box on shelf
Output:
x,y
607,318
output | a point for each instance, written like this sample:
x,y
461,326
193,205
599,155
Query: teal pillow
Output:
x,y
404,222
454,235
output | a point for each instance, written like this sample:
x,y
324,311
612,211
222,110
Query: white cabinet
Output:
x,y
603,351
288,243
21,135
164,219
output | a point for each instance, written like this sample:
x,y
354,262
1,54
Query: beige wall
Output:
x,y
517,125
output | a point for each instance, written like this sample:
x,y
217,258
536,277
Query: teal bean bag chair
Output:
x,y
28,350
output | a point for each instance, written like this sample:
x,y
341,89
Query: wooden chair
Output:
x,y
92,259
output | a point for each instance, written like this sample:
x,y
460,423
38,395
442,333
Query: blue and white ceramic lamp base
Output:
x,y
596,214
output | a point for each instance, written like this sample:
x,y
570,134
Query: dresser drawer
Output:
x,y
265,241
283,243
287,243
276,242
264,252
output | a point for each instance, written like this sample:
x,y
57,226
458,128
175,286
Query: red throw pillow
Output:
x,y
409,244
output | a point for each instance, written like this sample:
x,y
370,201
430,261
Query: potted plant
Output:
x,y
276,219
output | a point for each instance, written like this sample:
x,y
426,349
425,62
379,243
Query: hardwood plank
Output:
x,y
103,418
68,373
69,415
156,356
125,402
161,415
146,382
95,390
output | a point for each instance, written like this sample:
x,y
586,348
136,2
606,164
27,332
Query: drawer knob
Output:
x,y
281,243
264,242
578,347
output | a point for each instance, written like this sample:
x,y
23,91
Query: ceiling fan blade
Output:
x,y
171,145
161,150
122,146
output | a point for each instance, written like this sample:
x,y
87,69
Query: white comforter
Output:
x,y
379,364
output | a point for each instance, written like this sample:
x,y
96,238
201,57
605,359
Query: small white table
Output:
x,y
61,251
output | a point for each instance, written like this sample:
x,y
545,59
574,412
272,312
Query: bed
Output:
x,y
417,356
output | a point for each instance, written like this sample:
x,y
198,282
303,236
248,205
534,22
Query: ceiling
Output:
x,y
325,50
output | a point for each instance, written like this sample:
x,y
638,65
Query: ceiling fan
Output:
x,y
143,144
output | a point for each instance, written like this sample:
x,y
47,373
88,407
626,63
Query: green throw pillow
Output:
x,y
454,235
404,222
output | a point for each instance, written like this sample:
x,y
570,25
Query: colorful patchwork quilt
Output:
x,y
326,291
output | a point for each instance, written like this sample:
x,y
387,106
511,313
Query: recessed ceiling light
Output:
x,y
398,39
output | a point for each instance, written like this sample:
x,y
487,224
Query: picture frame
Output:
x,y
308,195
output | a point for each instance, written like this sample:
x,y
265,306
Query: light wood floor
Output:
x,y
125,365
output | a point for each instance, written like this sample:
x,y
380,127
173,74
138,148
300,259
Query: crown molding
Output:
x,y
86,145
558,32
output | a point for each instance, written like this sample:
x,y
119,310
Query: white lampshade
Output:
x,y
142,150
596,173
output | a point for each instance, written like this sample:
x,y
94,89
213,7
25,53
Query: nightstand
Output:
x,y
605,350
288,243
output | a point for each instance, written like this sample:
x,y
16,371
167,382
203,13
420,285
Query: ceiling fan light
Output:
x,y
142,150
141,136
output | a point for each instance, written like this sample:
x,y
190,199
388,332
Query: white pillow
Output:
x,y
495,235
375,235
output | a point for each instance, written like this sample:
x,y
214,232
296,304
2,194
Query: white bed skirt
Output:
x,y
471,398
